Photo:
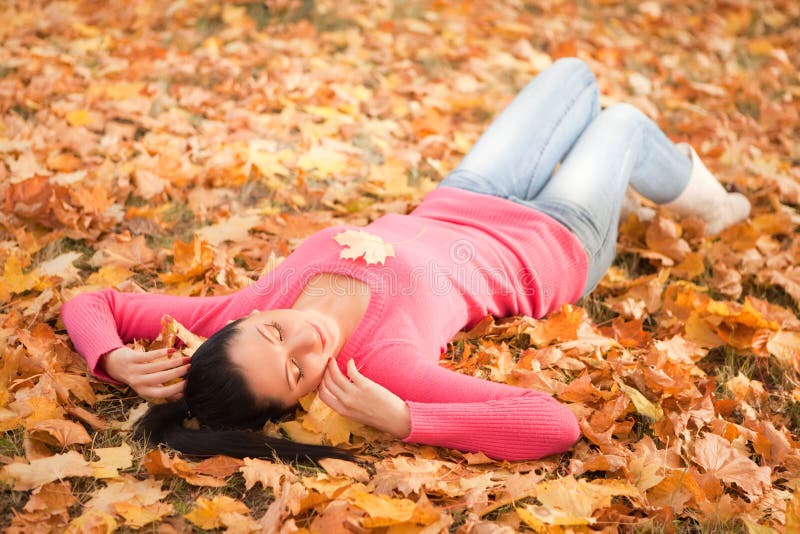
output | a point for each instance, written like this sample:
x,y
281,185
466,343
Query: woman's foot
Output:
x,y
706,198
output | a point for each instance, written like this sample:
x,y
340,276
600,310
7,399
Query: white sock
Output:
x,y
706,198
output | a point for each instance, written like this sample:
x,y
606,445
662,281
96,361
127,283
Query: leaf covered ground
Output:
x,y
186,147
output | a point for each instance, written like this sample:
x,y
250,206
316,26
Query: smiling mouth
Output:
x,y
319,334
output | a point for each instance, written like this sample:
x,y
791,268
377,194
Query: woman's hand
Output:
x,y
147,372
363,400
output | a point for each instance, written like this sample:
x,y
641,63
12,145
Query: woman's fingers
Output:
x,y
336,374
164,365
162,392
331,399
336,383
354,374
165,376
149,356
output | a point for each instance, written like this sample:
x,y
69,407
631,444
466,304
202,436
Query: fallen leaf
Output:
x,y
208,513
59,432
717,456
270,474
643,405
112,459
44,470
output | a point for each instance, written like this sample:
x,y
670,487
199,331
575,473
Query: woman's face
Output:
x,y
283,353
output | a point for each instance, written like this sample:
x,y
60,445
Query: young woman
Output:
x,y
503,234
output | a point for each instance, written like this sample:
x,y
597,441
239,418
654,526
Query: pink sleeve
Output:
x,y
102,321
454,410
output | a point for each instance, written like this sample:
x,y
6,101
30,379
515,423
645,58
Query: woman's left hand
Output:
x,y
364,401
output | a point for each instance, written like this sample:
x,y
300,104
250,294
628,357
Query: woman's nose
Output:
x,y
303,340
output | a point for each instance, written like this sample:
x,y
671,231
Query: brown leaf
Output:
x,y
717,456
219,466
91,419
59,432
53,497
664,237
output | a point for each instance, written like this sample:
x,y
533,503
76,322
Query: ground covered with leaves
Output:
x,y
186,147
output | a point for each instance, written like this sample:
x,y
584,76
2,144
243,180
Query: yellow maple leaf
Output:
x,y
643,405
137,515
79,117
294,429
382,510
112,459
15,281
109,276
208,511
359,243
323,419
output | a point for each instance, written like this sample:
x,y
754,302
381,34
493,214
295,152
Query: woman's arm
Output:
x,y
463,412
102,321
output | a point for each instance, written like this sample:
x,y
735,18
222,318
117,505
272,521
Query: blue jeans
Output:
x,y
556,119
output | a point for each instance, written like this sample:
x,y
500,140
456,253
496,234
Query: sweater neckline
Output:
x,y
374,309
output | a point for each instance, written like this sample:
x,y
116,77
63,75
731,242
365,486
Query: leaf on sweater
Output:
x,y
359,244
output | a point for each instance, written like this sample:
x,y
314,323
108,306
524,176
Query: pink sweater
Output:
x,y
458,257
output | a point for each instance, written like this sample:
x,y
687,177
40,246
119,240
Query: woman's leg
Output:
x,y
516,155
620,146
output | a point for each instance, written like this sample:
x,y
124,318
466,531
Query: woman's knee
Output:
x,y
578,66
623,113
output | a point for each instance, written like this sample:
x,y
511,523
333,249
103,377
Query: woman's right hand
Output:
x,y
148,372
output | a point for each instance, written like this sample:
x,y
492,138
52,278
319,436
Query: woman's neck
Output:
x,y
341,298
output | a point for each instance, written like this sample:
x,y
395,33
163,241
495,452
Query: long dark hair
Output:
x,y
229,414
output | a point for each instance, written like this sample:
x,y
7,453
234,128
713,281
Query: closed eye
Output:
x,y
299,369
278,329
